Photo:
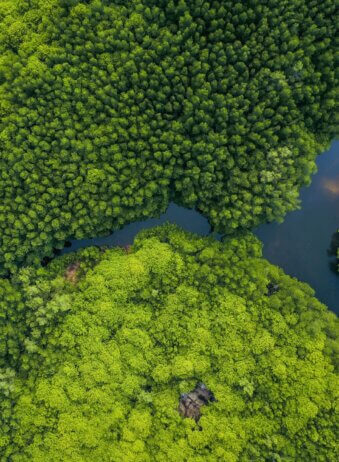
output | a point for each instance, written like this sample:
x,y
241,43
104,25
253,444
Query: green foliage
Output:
x,y
102,363
110,109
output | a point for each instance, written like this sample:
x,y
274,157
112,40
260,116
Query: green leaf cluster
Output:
x,y
96,369
110,109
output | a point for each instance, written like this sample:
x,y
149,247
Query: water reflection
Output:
x,y
332,186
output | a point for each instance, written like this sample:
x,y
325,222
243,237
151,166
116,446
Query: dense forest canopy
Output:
x,y
93,365
110,109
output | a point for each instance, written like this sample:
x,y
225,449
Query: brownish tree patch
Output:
x,y
190,403
71,273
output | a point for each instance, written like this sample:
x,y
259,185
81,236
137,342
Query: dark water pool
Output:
x,y
299,245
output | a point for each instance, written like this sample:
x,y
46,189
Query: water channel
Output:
x,y
299,245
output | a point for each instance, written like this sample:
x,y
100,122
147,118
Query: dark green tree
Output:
x,y
110,109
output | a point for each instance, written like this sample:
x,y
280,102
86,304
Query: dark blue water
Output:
x,y
299,245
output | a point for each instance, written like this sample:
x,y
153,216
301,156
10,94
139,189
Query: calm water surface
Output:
x,y
298,245
190,220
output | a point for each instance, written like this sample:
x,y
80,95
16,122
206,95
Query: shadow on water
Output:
x,y
332,252
298,245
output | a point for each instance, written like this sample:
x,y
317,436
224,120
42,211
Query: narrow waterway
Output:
x,y
190,220
299,245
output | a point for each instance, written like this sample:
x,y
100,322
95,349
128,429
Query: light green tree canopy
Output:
x,y
96,369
